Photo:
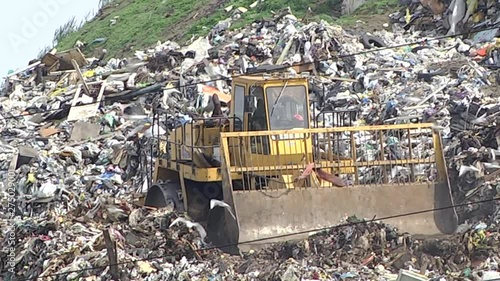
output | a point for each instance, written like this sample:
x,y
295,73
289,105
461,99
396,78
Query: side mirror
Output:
x,y
250,103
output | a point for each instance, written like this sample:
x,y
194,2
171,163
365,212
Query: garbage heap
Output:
x,y
451,17
475,19
75,134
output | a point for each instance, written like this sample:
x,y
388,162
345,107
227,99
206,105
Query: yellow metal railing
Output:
x,y
326,157
195,142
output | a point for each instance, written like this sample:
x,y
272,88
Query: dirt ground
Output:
x,y
367,23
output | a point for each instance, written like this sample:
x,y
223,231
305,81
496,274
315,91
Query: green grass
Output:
x,y
141,23
377,7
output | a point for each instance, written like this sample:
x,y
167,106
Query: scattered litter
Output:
x,y
75,146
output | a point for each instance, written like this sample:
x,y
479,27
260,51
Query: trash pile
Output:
x,y
76,133
377,250
450,17
476,19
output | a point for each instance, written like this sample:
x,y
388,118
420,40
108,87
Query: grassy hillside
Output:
x,y
141,23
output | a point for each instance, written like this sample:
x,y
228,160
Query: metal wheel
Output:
x,y
162,195
199,196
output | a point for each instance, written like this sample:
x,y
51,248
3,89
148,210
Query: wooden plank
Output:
x,y
87,110
343,79
31,66
80,75
72,54
50,59
304,67
62,61
112,256
396,69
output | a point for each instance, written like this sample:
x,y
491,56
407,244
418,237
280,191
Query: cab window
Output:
x,y
238,104
258,119
287,107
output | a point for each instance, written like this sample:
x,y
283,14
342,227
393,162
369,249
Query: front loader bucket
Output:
x,y
275,213
409,203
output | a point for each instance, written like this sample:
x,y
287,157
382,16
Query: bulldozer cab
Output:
x,y
270,103
280,175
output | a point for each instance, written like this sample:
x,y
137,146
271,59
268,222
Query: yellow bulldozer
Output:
x,y
280,174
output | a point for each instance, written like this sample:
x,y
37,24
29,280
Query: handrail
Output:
x,y
329,130
377,154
